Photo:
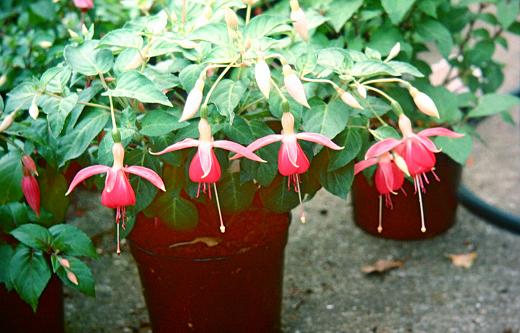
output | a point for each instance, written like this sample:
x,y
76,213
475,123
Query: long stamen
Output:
x,y
380,225
222,226
423,227
118,217
303,219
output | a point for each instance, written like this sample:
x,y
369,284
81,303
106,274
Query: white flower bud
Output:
x,y
424,103
394,51
231,19
33,109
84,30
45,44
349,99
193,101
362,91
263,77
3,79
294,86
72,277
7,122
73,34
299,20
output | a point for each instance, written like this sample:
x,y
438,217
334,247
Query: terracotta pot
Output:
x,y
202,286
404,220
16,316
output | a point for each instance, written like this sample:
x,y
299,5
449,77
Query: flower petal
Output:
x,y
147,174
86,173
205,156
319,139
237,148
362,165
427,143
186,143
382,147
261,142
440,131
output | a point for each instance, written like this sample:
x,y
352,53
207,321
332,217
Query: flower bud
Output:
x,y
3,79
72,277
193,101
31,192
348,99
231,19
263,77
394,51
405,125
136,62
33,109
84,5
362,91
84,30
299,20
7,122
294,86
45,44
29,165
424,103
73,34
247,43
64,262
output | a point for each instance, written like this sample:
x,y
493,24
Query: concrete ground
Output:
x,y
324,288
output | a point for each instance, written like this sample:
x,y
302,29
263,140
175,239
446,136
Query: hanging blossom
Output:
x,y
84,5
417,150
299,20
30,187
292,161
388,178
117,193
204,167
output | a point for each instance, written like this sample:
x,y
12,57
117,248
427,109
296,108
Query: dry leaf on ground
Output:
x,y
463,259
382,266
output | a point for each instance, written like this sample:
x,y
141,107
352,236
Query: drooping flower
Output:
x,y
204,167
30,187
193,100
294,86
84,5
263,77
423,102
417,150
299,20
117,193
388,178
292,161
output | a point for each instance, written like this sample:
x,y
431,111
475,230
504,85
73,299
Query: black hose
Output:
x,y
489,213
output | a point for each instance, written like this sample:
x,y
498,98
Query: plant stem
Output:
x,y
382,93
183,15
321,81
12,143
248,14
220,77
278,90
112,114
386,81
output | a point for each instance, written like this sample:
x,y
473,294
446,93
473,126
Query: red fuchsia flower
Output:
x,y
418,152
204,167
84,5
30,187
388,177
117,193
292,161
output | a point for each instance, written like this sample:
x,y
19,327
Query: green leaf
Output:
x,y
370,68
264,25
277,197
29,272
83,275
123,38
397,9
234,195
227,95
6,253
10,177
239,131
431,30
189,75
57,117
160,122
339,181
480,53
77,141
351,141
340,11
87,59
71,241
34,236
84,97
12,215
177,212
55,79
492,104
20,98
385,132
404,68
507,12
327,119
215,33
333,58
133,84
54,186
458,149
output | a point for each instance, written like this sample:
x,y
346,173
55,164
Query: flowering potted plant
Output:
x,y
209,128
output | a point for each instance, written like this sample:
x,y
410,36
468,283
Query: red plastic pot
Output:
x,y
234,286
16,316
403,222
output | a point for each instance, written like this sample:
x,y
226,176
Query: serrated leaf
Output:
x,y
71,241
431,30
133,84
87,59
340,11
338,182
189,75
458,149
57,117
20,98
404,68
263,25
55,79
371,67
175,211
83,275
397,9
215,33
351,141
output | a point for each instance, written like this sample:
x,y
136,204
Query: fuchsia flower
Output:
x,y
84,5
117,193
389,178
292,161
417,150
204,167
30,187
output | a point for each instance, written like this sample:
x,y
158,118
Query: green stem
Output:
x,y
405,83
380,92
248,14
12,143
321,81
278,90
112,114
220,77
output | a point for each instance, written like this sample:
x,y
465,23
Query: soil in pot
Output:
x,y
202,280
403,222
16,316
